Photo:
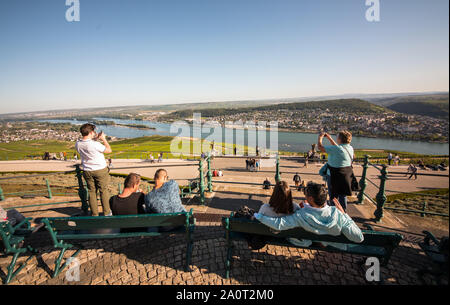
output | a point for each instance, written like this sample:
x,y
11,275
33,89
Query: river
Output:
x,y
287,141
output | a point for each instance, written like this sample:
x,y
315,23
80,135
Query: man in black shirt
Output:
x,y
131,201
266,184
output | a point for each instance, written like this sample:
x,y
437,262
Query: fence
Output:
x,y
207,186
380,199
83,193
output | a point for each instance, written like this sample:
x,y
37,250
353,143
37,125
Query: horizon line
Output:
x,y
236,100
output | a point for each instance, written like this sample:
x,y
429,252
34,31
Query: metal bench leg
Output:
x,y
228,262
11,272
58,267
187,268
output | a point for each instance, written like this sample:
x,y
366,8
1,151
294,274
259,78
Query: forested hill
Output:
x,y
354,106
436,109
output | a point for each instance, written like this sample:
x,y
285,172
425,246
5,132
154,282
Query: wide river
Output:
x,y
287,141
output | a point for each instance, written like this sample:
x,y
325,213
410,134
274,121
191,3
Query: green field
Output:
x,y
140,148
135,148
436,201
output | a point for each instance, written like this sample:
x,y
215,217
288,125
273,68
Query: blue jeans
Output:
x,y
341,198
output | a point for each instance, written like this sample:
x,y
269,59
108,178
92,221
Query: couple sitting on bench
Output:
x,y
164,198
313,215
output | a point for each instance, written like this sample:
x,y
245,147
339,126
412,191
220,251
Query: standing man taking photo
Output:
x,y
95,170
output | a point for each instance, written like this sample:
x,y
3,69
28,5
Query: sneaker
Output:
x,y
110,214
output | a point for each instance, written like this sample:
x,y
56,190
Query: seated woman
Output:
x,y
280,203
317,217
165,196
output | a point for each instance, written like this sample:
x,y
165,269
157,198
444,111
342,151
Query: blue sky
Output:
x,y
143,52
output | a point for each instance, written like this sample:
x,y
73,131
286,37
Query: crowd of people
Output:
x,y
252,164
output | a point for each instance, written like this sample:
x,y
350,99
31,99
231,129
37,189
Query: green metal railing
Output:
x,y
381,198
83,192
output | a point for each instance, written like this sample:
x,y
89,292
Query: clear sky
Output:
x,y
143,52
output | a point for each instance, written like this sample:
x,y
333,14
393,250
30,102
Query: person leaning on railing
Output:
x,y
95,169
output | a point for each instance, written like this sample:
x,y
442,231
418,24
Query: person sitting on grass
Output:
x,y
317,217
280,203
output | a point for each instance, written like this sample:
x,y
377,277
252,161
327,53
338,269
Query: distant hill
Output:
x,y
433,108
356,106
388,101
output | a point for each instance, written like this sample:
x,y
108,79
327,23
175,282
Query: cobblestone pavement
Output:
x,y
160,261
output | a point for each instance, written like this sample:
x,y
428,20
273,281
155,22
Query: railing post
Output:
x,y
277,173
49,191
119,188
424,208
363,182
82,191
202,183
148,188
2,197
209,174
381,196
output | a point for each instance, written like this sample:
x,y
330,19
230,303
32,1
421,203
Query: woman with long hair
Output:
x,y
280,203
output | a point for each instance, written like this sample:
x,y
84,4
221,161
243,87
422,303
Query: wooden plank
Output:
x,y
125,221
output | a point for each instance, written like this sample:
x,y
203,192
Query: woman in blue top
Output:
x,y
340,158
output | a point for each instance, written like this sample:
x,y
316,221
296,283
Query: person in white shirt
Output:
x,y
95,170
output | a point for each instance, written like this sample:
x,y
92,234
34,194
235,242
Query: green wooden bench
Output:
x,y
85,227
13,240
376,244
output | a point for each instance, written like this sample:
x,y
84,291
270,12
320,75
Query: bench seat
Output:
x,y
375,244
91,227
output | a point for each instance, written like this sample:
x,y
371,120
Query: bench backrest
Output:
x,y
118,222
372,238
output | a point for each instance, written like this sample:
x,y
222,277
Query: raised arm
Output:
x,y
330,139
319,142
108,149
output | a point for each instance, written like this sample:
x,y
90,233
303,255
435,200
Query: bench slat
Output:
x,y
371,238
124,221
105,236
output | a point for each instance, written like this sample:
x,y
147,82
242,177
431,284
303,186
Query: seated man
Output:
x,y
165,197
130,202
266,184
317,217
297,179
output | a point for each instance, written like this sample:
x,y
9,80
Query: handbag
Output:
x,y
323,170
354,184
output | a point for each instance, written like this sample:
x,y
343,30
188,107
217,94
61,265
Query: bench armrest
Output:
x,y
20,224
429,236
